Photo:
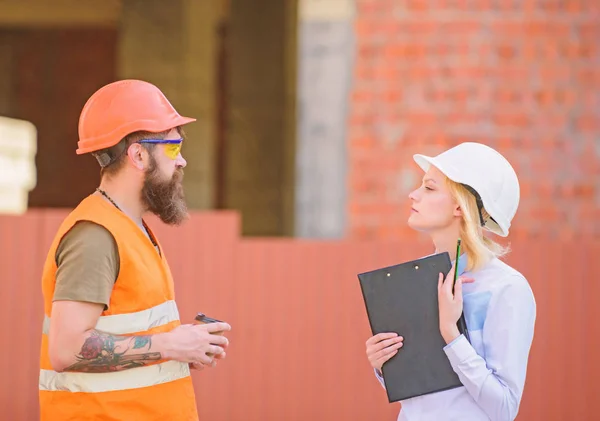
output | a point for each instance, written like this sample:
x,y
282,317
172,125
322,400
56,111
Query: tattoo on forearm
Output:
x,y
102,353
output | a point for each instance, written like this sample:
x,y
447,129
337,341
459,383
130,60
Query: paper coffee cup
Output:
x,y
202,319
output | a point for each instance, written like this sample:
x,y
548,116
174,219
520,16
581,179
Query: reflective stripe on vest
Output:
x,y
126,323
119,380
120,324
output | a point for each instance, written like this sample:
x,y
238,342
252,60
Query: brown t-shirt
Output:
x,y
88,264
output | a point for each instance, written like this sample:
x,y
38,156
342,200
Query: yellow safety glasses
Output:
x,y
172,147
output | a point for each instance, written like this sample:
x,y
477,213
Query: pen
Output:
x,y
461,323
456,264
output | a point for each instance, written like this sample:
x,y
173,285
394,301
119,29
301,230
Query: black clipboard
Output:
x,y
403,299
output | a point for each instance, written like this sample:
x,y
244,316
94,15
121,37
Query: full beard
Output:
x,y
164,198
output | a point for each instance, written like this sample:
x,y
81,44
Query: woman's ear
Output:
x,y
457,210
137,156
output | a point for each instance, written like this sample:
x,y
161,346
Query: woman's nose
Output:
x,y
413,195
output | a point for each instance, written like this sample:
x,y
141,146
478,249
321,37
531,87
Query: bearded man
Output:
x,y
113,346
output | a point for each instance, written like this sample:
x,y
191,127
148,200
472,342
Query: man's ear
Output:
x,y
137,155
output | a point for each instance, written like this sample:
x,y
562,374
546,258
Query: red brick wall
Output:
x,y
521,76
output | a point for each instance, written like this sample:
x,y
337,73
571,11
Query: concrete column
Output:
x,y
6,70
172,44
259,178
326,56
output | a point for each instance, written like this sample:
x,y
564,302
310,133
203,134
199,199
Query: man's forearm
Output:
x,y
102,352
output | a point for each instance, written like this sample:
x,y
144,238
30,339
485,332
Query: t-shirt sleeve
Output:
x,y
88,264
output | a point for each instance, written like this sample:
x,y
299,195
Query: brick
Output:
x,y
417,5
420,72
366,8
456,119
589,31
506,95
574,50
461,28
532,28
543,98
507,52
553,122
588,123
387,73
392,96
529,6
364,28
362,72
420,28
363,96
365,142
512,120
584,190
590,99
421,118
555,74
476,5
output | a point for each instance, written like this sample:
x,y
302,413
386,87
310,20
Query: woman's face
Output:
x,y
433,207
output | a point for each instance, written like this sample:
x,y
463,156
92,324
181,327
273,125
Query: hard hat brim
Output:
x,y
111,139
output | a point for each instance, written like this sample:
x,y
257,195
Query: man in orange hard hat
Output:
x,y
113,346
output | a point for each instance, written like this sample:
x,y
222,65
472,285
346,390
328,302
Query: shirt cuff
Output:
x,y
379,376
459,350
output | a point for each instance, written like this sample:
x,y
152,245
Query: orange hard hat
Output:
x,y
121,108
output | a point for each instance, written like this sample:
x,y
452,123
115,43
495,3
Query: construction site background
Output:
x,y
299,167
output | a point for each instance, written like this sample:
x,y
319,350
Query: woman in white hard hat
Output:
x,y
465,190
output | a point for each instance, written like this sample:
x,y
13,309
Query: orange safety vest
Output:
x,y
142,302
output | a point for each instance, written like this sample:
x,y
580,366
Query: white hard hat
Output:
x,y
487,172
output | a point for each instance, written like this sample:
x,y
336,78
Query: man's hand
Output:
x,y
200,366
194,344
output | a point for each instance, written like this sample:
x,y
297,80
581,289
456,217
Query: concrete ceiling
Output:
x,y
53,13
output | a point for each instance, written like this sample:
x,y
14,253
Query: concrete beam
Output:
x,y
36,13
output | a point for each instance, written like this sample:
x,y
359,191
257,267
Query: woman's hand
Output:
x,y
382,347
450,305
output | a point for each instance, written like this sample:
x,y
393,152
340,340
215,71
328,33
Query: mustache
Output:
x,y
178,174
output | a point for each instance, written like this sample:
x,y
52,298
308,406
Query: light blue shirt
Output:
x,y
500,312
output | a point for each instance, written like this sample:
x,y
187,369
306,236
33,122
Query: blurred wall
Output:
x,y
53,55
47,75
362,85
298,320
230,64
522,77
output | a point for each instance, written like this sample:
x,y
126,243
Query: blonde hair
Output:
x,y
479,248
